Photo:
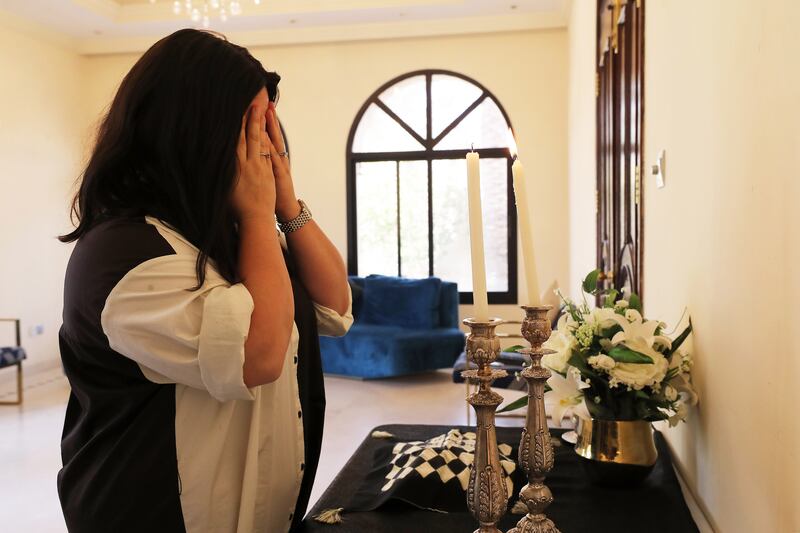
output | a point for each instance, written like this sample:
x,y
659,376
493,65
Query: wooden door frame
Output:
x,y
607,102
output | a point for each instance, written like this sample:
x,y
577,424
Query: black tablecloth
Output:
x,y
657,506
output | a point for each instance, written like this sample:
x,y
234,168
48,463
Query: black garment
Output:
x,y
311,386
120,468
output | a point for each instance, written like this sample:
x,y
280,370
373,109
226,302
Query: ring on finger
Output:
x,y
265,154
283,154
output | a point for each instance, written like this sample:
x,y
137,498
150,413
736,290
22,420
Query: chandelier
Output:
x,y
204,10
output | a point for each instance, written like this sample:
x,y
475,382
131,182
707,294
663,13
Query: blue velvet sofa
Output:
x,y
402,326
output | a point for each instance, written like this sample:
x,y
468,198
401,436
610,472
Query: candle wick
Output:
x,y
472,147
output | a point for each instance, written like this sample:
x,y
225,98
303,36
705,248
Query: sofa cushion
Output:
x,y
373,351
407,303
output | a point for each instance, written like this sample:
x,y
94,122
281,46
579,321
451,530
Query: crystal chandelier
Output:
x,y
204,10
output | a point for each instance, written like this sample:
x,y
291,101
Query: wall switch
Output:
x,y
659,170
35,331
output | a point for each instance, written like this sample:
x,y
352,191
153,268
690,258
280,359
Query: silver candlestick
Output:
x,y
487,497
535,448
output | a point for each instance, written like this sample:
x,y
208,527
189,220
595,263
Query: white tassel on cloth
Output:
x,y
382,435
330,516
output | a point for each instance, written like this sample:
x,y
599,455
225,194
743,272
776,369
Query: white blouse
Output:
x,y
239,449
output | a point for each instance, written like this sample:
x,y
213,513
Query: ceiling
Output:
x,y
110,26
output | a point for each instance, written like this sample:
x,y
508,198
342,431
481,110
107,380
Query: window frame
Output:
x,y
429,155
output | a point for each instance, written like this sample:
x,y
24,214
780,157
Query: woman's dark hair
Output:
x,y
167,146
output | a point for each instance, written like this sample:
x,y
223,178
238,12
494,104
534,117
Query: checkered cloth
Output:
x,y
432,474
447,456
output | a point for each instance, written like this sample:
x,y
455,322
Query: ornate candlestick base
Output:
x,y
487,498
535,448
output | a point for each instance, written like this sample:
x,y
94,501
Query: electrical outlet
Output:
x,y
35,331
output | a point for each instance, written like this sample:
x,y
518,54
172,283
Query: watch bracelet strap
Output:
x,y
297,222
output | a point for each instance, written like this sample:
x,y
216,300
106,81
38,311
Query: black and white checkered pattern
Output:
x,y
448,456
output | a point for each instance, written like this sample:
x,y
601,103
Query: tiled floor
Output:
x,y
30,434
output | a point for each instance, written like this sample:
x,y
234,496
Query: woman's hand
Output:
x,y
254,194
286,205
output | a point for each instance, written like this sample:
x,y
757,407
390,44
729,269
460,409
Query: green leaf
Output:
x,y
621,354
521,402
634,302
516,404
611,297
579,361
679,340
590,282
514,349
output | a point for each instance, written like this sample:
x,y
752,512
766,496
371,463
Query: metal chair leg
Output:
x,y
19,388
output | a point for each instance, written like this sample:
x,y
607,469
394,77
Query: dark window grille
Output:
x,y
414,145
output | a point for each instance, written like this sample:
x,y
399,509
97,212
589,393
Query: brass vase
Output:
x,y
619,453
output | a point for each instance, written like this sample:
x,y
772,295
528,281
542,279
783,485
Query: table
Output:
x,y
657,506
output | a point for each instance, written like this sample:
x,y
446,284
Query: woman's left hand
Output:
x,y
286,205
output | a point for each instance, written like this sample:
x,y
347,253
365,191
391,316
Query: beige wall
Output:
x,y
41,134
721,96
581,145
324,85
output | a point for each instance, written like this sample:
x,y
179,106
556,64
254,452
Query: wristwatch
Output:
x,y
297,222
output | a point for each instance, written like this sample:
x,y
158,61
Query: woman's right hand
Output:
x,y
254,192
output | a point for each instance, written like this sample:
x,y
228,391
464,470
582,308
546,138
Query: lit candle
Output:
x,y
523,216
479,295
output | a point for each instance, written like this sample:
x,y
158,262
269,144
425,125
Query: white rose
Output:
x,y
562,344
622,304
639,376
601,318
602,361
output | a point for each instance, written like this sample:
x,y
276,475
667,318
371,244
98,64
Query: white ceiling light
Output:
x,y
204,10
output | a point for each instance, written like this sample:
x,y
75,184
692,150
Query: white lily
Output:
x,y
682,380
565,397
634,328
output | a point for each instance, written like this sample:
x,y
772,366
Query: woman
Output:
x,y
190,325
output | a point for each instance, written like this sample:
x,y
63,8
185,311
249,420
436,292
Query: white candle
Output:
x,y
523,216
480,297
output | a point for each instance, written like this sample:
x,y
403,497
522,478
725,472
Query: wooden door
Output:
x,y
619,91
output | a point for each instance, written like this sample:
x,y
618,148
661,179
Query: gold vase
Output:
x,y
616,452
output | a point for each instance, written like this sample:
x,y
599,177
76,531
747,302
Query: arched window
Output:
x,y
407,183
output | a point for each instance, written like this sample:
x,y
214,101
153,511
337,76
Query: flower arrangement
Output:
x,y
611,363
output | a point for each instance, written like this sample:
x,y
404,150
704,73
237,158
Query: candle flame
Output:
x,y
512,143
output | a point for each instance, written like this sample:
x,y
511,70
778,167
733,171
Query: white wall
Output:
x,y
41,137
722,95
324,85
